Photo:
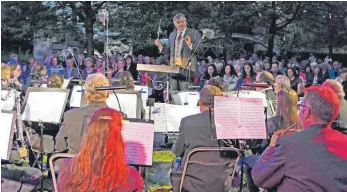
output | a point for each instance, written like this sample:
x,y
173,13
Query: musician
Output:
x,y
69,136
15,73
195,131
40,74
282,83
55,81
230,77
182,42
310,160
5,76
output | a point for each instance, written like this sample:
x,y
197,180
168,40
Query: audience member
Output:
x,y
295,82
211,71
131,67
230,77
70,71
55,68
89,68
296,162
334,72
101,164
258,66
316,77
275,69
248,77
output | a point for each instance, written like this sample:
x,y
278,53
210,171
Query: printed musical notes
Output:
x,y
159,114
239,118
138,139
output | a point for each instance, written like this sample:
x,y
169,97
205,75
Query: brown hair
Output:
x,y
287,109
55,81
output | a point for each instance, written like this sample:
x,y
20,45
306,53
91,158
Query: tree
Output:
x,y
276,16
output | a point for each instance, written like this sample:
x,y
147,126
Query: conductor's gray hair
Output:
x,y
207,95
178,16
283,81
319,106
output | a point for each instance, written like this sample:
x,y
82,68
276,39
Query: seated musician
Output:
x,y
127,80
314,159
5,76
195,131
70,133
55,81
39,73
15,73
265,77
286,116
338,89
100,165
282,82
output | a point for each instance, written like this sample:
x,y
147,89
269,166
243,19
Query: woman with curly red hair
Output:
x,y
100,164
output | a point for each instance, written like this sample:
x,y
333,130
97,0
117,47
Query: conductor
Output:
x,y
182,42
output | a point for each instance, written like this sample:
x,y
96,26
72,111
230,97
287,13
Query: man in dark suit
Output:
x,y
182,42
71,130
311,160
70,71
196,131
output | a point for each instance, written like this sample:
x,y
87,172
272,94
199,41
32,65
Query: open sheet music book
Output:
x,y
127,102
138,138
239,118
167,117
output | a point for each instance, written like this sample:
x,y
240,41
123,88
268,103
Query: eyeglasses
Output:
x,y
300,106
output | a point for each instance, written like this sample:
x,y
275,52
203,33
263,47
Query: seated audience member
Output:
x,y
230,77
70,71
89,68
55,67
325,71
211,71
295,81
343,76
259,66
338,89
316,77
55,81
69,135
101,164
126,79
335,71
195,131
311,160
282,82
131,66
275,69
248,77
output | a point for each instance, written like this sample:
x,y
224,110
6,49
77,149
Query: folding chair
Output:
x,y
208,149
53,157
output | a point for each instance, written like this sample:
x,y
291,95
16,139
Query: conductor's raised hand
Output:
x,y
157,43
188,41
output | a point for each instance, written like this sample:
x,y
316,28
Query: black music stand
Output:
x,y
40,109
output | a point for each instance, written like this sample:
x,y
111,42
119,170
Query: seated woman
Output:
x,y
295,81
100,165
230,77
316,77
248,77
15,73
211,71
40,74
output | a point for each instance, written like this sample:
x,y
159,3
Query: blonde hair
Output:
x,y
335,86
283,82
126,79
6,72
287,102
13,67
93,81
55,81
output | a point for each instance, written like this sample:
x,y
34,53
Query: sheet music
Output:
x,y
9,103
128,103
39,107
239,118
6,128
253,94
159,117
191,98
65,83
144,94
174,114
138,139
75,99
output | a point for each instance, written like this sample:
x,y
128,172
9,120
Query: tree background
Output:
x,y
283,26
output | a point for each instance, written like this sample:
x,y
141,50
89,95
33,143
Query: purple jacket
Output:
x,y
301,163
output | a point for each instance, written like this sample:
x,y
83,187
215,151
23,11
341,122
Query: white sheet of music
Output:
x,y
239,118
254,94
128,103
138,138
65,83
75,99
6,128
144,94
39,106
174,114
9,103
159,117
191,98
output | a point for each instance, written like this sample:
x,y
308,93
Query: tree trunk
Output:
x,y
270,45
330,48
88,24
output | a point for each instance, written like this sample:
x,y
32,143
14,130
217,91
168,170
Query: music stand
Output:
x,y
77,98
40,108
8,119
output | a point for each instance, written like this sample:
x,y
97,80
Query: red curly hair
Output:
x,y
100,165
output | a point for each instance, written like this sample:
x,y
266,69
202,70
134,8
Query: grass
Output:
x,y
163,156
